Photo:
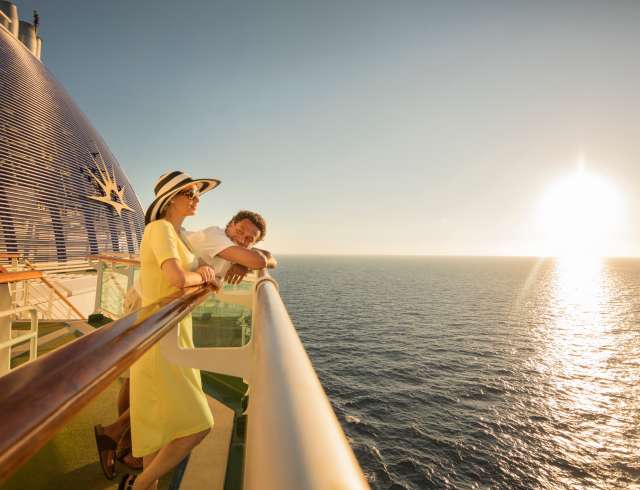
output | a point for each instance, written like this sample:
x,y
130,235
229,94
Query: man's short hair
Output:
x,y
255,218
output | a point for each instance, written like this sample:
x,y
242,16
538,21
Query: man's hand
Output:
x,y
271,260
235,274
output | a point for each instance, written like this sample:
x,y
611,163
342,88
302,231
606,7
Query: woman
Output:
x,y
169,411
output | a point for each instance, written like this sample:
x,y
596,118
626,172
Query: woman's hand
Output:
x,y
179,278
208,274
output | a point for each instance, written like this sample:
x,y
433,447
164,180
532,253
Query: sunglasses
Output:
x,y
191,194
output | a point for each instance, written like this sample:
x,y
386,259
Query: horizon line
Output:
x,y
445,255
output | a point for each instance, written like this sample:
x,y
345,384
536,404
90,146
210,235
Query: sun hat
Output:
x,y
168,185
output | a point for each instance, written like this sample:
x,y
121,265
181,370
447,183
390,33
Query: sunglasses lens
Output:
x,y
191,193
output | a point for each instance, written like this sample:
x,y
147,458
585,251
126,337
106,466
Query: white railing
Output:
x,y
50,299
45,297
7,341
294,440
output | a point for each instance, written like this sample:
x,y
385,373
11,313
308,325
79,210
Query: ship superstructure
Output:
x,y
63,194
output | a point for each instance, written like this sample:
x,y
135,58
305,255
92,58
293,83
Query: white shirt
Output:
x,y
207,244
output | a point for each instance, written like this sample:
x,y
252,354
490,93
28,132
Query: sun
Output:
x,y
579,216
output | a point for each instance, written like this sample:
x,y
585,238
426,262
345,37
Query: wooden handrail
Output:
x,y
37,399
7,277
10,255
114,259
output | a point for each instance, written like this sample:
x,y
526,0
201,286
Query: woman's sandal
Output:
x,y
106,452
127,482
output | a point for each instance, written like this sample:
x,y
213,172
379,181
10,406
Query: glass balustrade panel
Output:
x,y
224,319
115,281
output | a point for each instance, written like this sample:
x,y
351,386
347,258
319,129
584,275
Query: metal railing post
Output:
x,y
13,288
5,329
130,276
50,305
33,341
100,269
25,293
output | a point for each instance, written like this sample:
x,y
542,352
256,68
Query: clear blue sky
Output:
x,y
404,127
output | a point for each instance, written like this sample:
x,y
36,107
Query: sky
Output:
x,y
371,127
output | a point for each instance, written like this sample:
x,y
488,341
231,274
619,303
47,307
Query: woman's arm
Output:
x,y
179,278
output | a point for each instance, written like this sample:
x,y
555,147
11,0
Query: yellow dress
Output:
x,y
166,400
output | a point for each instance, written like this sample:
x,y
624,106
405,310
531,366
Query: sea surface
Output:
x,y
477,372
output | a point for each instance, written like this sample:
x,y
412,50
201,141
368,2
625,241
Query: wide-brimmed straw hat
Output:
x,y
168,185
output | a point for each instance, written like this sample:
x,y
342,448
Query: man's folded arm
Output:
x,y
251,259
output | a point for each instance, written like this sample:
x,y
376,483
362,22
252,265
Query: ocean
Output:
x,y
477,372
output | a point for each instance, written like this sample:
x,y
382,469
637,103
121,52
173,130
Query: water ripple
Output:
x,y
477,373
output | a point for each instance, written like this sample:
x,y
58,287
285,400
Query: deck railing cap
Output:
x,y
9,277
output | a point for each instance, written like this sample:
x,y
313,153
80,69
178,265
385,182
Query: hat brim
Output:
x,y
205,185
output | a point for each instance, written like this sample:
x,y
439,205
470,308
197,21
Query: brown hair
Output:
x,y
255,218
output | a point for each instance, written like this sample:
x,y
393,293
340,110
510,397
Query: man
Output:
x,y
230,250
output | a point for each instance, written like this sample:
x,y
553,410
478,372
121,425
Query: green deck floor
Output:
x,y
70,459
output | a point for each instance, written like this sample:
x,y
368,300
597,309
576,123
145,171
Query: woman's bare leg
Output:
x,y
116,429
123,397
160,463
146,462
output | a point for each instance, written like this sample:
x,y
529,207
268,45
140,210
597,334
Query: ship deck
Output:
x,y
70,459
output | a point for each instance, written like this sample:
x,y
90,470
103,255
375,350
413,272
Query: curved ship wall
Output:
x,y
63,195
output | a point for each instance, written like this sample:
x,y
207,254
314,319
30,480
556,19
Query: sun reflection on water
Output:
x,y
587,393
579,347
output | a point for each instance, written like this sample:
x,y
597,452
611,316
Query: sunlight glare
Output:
x,y
579,216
